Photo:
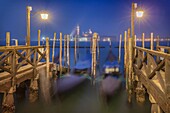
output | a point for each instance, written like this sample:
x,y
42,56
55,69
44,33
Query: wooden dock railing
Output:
x,y
148,71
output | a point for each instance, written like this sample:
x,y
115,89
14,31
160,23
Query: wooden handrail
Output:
x,y
153,52
8,48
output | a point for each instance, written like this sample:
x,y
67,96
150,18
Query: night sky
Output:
x,y
107,17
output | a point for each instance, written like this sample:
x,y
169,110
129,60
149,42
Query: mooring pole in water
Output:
x,y
129,67
135,46
34,80
68,52
143,43
151,41
158,49
125,54
75,50
53,47
8,44
98,50
65,50
120,45
93,71
39,43
60,54
39,37
47,57
7,38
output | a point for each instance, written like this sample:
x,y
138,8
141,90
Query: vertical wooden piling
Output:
x,y
60,54
75,50
158,49
68,52
53,47
28,17
127,60
7,38
129,66
143,43
39,38
65,50
93,71
8,44
125,50
120,42
47,57
130,69
135,45
151,46
98,50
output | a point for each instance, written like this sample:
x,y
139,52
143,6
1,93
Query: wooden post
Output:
x,y
34,82
120,42
135,45
127,60
130,69
47,57
8,44
143,43
75,50
7,38
65,50
125,50
98,50
16,42
60,54
95,35
158,49
53,47
151,41
68,53
29,9
39,38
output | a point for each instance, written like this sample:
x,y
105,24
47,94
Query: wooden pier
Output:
x,y
148,71
21,63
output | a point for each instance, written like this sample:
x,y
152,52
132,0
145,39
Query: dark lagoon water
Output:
x,y
85,98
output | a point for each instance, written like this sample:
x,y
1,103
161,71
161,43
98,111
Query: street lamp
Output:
x,y
136,12
44,16
139,13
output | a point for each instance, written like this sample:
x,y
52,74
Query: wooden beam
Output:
x,y
161,65
167,77
27,57
156,53
6,57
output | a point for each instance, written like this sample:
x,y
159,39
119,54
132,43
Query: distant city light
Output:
x,y
43,38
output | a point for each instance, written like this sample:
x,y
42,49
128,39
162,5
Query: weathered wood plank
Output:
x,y
161,65
156,53
151,87
167,77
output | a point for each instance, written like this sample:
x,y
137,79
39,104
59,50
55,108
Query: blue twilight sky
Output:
x,y
107,17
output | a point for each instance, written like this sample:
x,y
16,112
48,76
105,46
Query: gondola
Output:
x,y
111,82
84,65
